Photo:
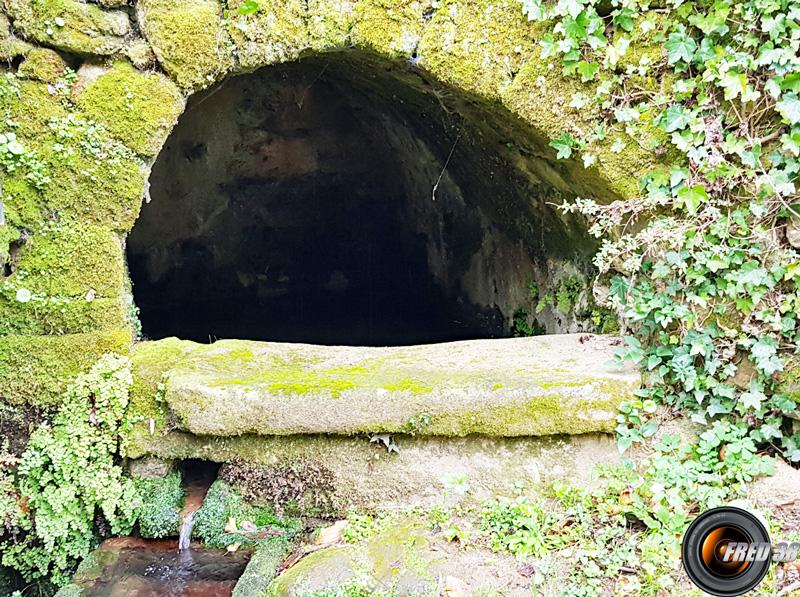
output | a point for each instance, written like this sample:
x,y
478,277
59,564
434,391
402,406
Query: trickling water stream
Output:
x,y
187,525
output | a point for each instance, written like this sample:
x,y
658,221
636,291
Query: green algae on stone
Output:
x,y
261,568
477,46
321,571
42,64
150,363
275,33
37,369
137,108
70,25
188,39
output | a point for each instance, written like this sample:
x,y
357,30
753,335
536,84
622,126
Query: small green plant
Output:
x,y
223,505
14,156
523,327
568,294
67,479
160,501
361,527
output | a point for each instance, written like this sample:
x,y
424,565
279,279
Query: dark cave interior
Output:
x,y
329,201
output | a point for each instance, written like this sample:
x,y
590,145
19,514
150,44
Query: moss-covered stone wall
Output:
x,y
90,91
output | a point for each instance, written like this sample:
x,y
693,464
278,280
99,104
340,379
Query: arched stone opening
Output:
x,y
344,199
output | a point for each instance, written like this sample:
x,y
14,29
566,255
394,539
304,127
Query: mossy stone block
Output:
x,y
37,369
275,33
477,46
544,385
392,28
72,261
261,568
188,38
138,108
57,315
366,476
70,25
329,23
42,64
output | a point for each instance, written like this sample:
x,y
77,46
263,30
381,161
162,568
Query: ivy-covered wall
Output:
x,y
90,92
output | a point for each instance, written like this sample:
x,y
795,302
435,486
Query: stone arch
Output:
x,y
344,198
136,63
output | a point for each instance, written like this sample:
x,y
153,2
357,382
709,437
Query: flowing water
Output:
x,y
187,526
136,568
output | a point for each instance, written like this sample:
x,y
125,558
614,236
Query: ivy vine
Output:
x,y
703,266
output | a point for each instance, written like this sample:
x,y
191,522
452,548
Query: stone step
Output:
x,y
539,386
327,476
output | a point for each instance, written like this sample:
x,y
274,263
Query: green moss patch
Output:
x,y
37,369
275,33
392,28
71,261
188,39
57,315
42,64
477,46
77,27
138,108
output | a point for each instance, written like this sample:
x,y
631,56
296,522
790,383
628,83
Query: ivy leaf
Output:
x,y
764,353
624,19
563,145
569,7
15,147
734,84
753,397
789,108
690,198
680,47
674,118
534,10
248,7
587,70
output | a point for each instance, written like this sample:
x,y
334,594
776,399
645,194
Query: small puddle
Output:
x,y
138,568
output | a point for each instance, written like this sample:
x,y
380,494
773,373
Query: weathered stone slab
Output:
x,y
537,386
331,475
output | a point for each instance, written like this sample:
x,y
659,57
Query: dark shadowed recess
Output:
x,y
343,199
